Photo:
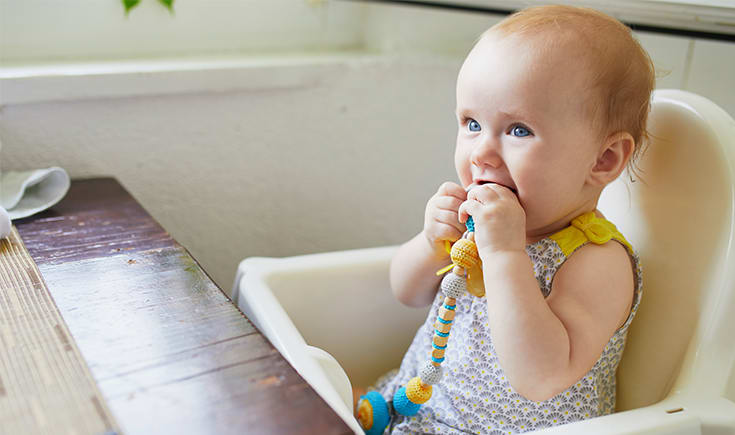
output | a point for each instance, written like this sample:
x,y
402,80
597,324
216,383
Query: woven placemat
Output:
x,y
45,385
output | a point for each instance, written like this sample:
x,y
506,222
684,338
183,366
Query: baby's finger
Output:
x,y
445,216
449,233
504,191
450,203
449,188
490,192
482,194
467,209
448,217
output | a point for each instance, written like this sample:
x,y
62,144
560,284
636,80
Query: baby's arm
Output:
x,y
413,269
545,345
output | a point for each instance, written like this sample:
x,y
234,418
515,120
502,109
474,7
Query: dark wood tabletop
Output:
x,y
169,351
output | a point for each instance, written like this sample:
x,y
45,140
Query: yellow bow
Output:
x,y
593,228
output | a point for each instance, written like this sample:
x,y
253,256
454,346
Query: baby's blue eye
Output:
x,y
473,125
520,131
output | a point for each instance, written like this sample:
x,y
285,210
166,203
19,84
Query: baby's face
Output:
x,y
523,124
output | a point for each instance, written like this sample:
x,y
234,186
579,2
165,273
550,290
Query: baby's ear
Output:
x,y
612,158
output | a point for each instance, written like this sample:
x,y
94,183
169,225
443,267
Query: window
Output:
x,y
705,16
90,30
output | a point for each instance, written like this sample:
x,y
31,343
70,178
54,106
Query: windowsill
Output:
x,y
34,83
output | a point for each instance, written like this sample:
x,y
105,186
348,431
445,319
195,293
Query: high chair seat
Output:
x,y
335,320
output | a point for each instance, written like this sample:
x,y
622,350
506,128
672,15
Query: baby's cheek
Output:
x,y
462,164
540,213
465,176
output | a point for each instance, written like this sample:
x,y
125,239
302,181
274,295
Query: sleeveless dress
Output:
x,y
474,395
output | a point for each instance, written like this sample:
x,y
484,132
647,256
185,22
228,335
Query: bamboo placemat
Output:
x,y
45,386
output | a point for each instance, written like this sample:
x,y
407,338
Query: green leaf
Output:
x,y
130,4
169,4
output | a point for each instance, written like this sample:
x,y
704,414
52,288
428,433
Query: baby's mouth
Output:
x,y
481,182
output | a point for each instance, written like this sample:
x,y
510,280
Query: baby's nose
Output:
x,y
487,153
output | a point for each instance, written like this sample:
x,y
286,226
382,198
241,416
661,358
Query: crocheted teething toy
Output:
x,y
373,412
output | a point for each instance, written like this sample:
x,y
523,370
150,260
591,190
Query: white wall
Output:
x,y
345,161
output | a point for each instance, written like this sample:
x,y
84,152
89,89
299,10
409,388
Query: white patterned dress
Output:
x,y
474,396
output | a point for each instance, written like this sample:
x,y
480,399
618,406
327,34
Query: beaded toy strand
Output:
x,y
373,411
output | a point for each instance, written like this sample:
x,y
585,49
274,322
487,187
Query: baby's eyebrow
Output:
x,y
462,113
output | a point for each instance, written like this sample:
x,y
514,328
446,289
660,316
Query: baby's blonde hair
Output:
x,y
622,74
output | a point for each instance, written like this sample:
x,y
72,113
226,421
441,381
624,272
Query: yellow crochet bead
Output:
x,y
440,341
365,414
417,392
437,353
466,258
446,314
464,254
444,328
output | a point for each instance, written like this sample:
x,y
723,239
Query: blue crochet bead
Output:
x,y
403,405
381,415
470,224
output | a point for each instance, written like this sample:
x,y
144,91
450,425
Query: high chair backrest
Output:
x,y
679,216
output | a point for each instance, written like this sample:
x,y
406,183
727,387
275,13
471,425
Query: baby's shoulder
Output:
x,y
593,250
596,262
597,276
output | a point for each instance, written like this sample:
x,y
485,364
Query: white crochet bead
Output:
x,y
453,285
430,374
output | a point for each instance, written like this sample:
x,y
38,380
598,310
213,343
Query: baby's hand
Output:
x,y
500,221
441,220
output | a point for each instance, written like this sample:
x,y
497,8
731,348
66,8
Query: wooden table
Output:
x,y
169,351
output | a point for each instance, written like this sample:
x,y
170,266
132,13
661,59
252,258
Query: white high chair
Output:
x,y
677,375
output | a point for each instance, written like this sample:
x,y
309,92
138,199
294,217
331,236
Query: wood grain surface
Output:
x,y
45,386
167,348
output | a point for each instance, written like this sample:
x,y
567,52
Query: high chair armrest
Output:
x,y
259,304
641,421
298,280
313,304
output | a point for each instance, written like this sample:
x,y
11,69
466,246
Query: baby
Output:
x,y
551,107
